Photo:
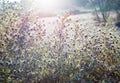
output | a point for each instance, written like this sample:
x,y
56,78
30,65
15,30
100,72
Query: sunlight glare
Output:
x,y
47,5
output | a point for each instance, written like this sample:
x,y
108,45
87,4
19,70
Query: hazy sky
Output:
x,y
50,5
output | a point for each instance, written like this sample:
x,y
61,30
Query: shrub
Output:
x,y
73,53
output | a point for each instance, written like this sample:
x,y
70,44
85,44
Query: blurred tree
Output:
x,y
104,7
117,8
101,6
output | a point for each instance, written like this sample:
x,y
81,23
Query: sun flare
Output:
x,y
50,6
47,5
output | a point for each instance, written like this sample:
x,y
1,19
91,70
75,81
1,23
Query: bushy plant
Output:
x,y
72,53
